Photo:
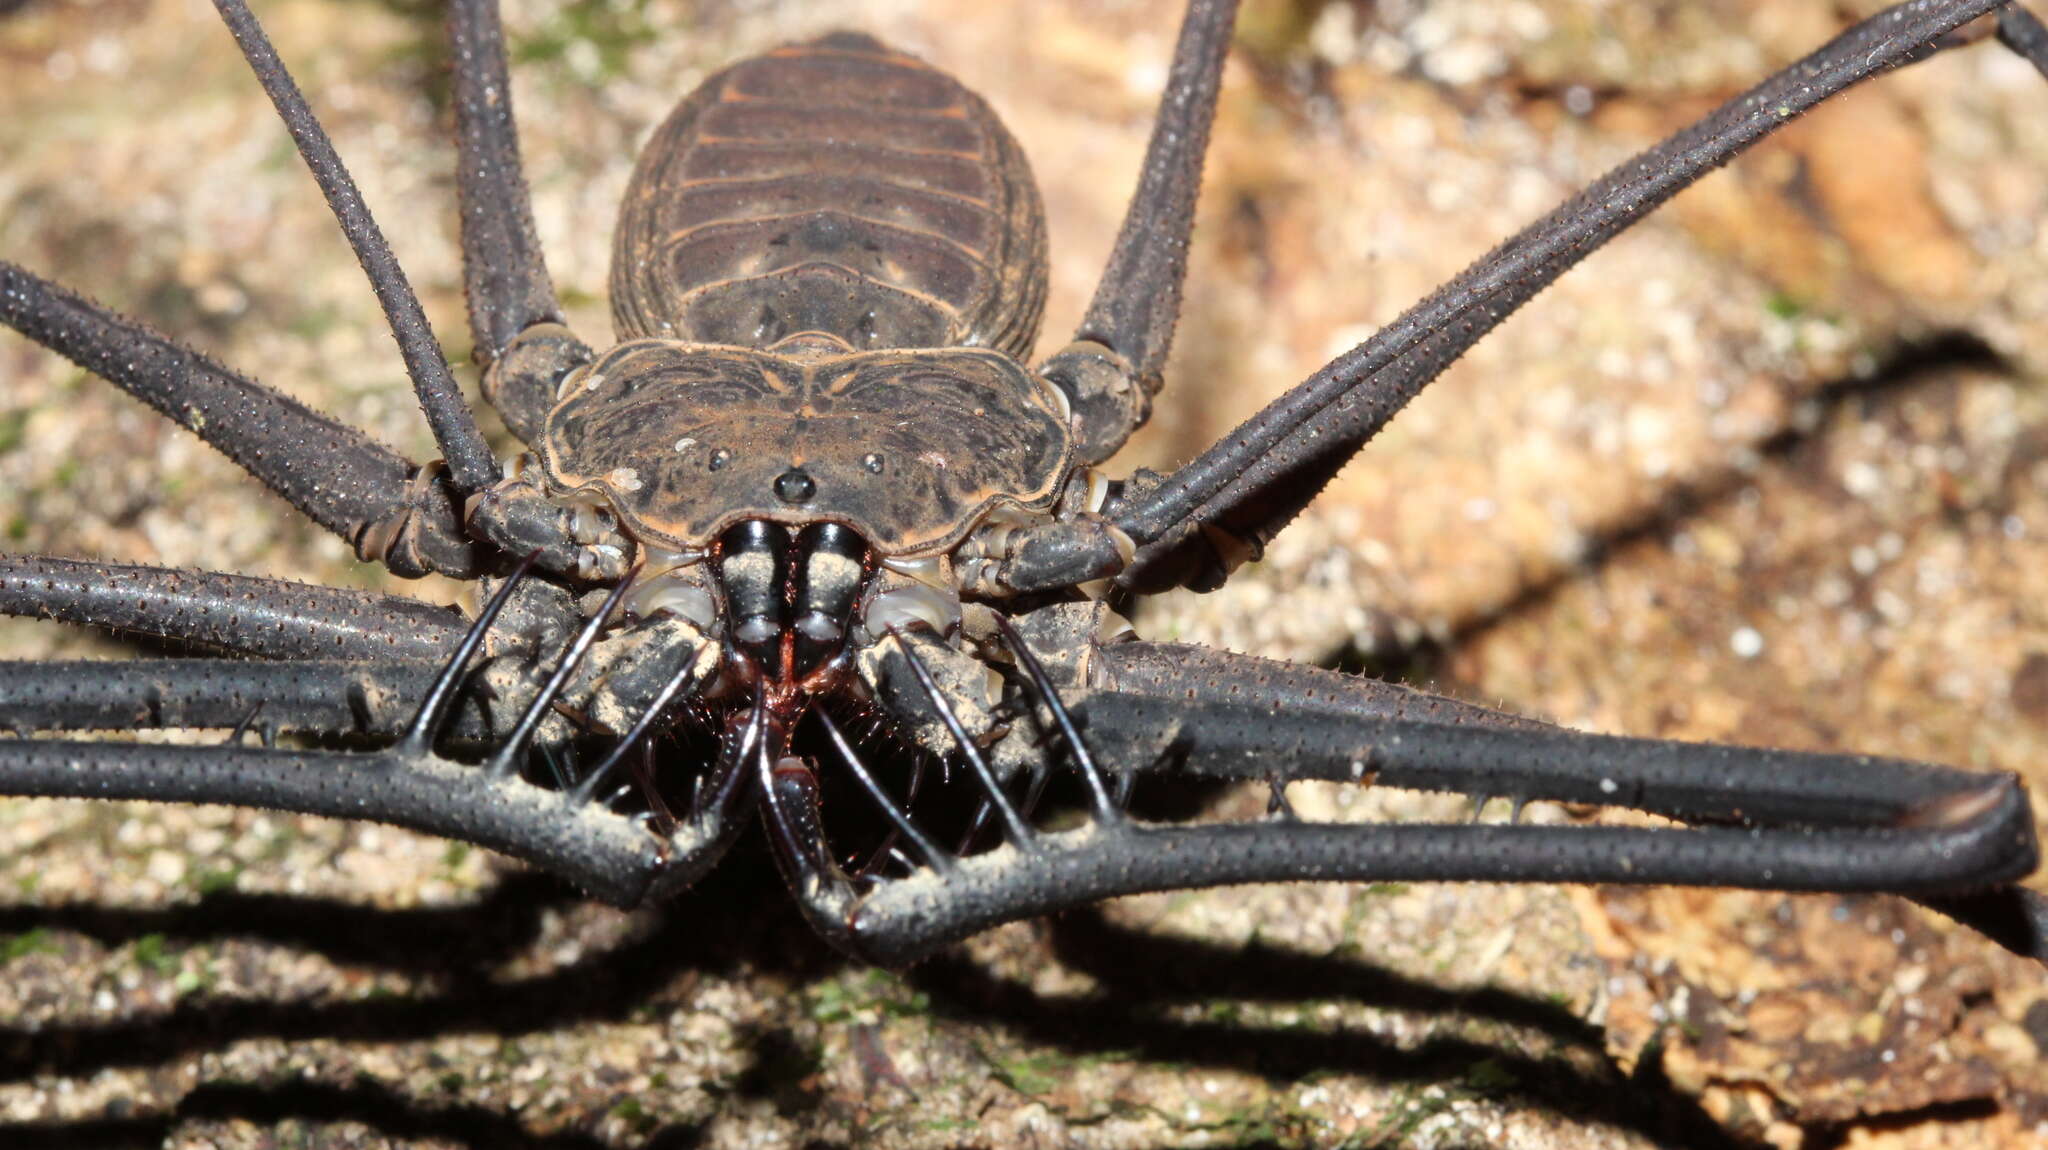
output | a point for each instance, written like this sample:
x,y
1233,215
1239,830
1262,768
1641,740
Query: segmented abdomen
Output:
x,y
833,186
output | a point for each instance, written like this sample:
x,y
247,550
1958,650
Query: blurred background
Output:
x,y
1772,468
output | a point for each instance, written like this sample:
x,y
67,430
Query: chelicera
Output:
x,y
814,477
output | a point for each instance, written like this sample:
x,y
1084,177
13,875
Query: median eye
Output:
x,y
793,486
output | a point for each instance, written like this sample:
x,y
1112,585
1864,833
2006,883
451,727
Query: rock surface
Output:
x,y
1772,468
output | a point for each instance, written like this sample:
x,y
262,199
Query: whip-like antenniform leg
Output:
x,y
390,510
1259,476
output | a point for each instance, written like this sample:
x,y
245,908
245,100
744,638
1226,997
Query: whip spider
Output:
x,y
1754,429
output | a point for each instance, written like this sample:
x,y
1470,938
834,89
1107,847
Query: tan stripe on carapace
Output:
x,y
838,186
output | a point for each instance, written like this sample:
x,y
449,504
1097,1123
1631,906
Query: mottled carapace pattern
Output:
x,y
835,186
909,448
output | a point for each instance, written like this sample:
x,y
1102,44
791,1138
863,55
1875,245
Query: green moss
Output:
x,y
13,429
1408,1114
151,953
1031,1074
573,296
37,941
1272,30
634,1115
1224,1012
1490,1076
214,880
866,993
607,30
196,977
424,51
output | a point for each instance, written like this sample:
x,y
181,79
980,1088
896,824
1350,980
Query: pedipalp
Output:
x,y
1765,820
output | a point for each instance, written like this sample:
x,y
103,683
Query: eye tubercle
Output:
x,y
794,486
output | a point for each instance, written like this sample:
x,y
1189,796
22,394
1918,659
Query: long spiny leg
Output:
x,y
1221,737
514,317
392,511
1272,463
515,320
1112,369
2021,31
513,314
354,656
1772,820
471,466
1236,496
269,618
377,500
516,516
